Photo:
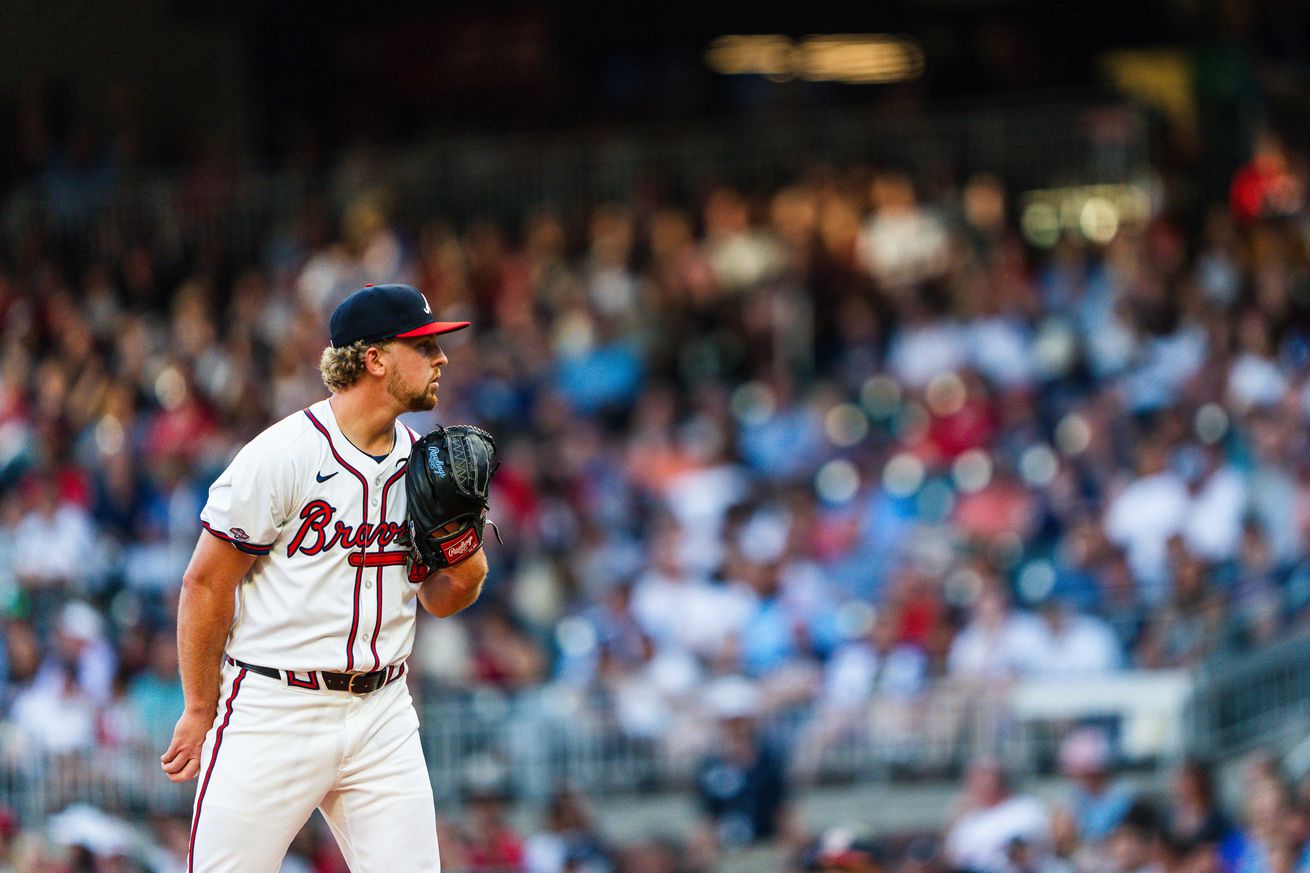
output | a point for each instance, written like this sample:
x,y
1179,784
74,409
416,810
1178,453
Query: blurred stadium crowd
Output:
x,y
847,454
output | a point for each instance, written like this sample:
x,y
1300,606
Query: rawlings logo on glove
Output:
x,y
446,484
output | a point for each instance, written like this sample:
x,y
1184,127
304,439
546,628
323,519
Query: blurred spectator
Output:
x,y
998,643
1189,625
1097,802
503,656
1263,835
1194,816
80,647
741,785
156,694
1142,518
172,839
568,843
775,644
1218,502
989,818
1265,187
740,255
51,543
902,242
57,715
1133,842
1074,644
871,682
681,612
924,346
487,843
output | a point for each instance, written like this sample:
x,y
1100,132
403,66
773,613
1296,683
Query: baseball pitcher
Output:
x,y
297,609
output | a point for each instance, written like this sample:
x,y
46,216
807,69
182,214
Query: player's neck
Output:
x,y
370,425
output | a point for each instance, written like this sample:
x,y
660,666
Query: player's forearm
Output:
x,y
204,615
451,589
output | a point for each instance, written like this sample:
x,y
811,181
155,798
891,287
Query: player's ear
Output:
x,y
373,360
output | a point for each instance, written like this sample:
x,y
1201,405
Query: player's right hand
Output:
x,y
182,760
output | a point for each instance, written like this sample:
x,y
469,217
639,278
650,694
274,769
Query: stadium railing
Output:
x,y
529,742
1258,700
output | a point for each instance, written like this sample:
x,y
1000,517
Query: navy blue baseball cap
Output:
x,y
380,312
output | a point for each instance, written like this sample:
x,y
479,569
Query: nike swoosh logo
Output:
x,y
320,477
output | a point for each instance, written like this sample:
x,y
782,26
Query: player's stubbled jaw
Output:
x,y
413,399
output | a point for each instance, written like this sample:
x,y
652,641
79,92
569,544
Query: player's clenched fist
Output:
x,y
182,760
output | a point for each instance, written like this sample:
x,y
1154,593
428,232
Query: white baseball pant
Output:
x,y
276,752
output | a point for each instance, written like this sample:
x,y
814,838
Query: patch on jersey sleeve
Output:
x,y
238,534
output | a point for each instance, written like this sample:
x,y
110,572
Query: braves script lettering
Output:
x,y
319,531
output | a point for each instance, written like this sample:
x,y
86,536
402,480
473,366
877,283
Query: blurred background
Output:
x,y
903,407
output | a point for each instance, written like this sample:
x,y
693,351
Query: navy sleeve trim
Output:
x,y
249,548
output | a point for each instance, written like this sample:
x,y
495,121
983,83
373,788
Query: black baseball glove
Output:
x,y
446,484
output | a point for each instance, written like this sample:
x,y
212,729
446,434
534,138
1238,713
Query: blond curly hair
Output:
x,y
341,368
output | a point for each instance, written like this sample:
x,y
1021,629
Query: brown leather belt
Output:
x,y
355,683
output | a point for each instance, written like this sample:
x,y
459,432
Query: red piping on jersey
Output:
x,y
377,630
354,624
248,548
218,742
377,627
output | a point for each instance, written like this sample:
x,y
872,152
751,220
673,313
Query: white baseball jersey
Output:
x,y
329,589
